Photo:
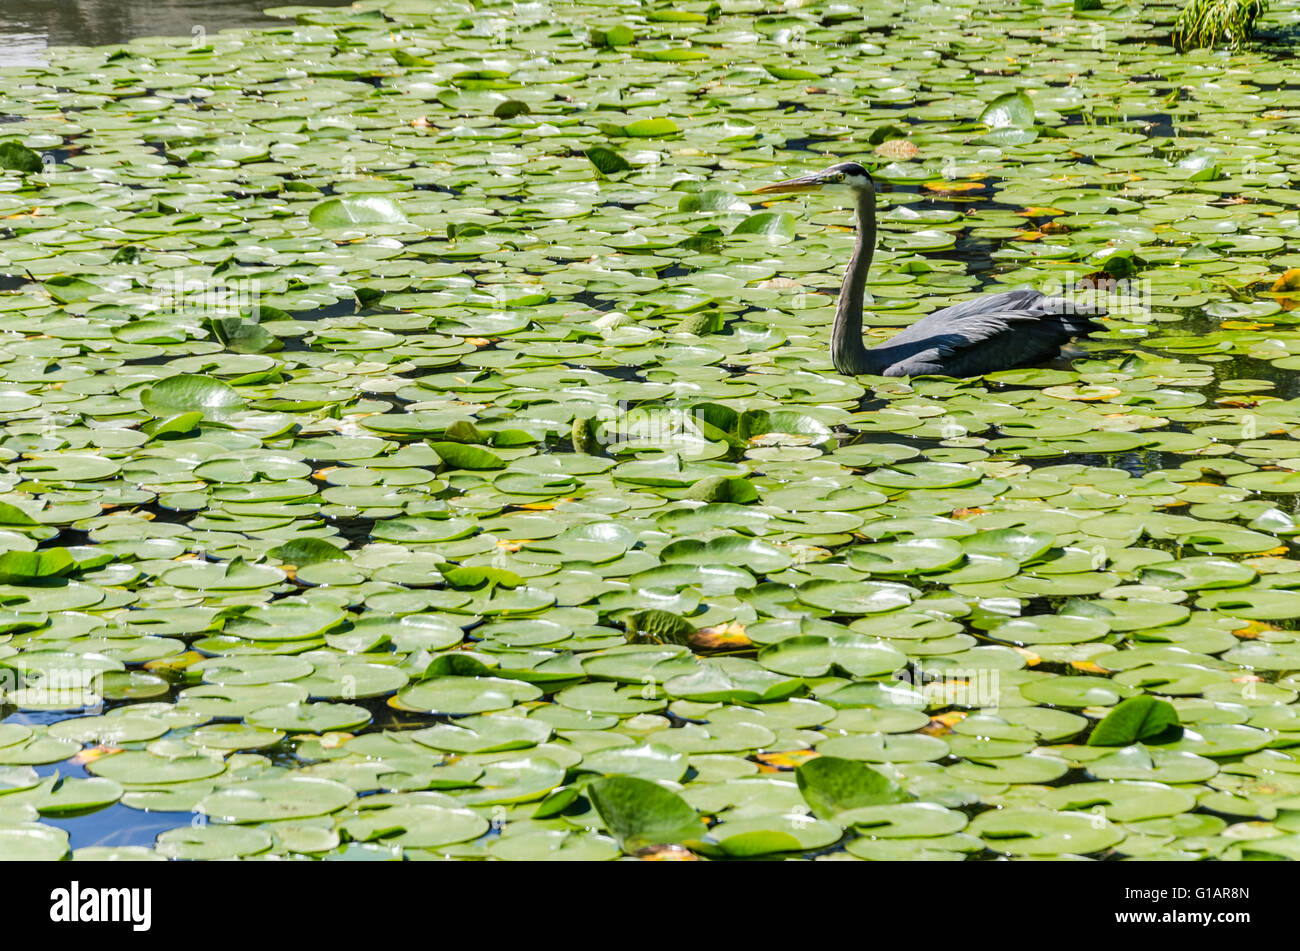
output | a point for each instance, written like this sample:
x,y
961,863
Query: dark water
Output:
x,y
29,27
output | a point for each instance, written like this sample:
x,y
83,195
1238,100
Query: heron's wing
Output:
x,y
985,334
1021,299
967,316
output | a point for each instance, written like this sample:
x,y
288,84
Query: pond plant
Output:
x,y
1209,23
418,441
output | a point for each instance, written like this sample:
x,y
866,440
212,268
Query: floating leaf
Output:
x,y
191,393
832,785
639,813
358,210
1015,110
607,161
1138,718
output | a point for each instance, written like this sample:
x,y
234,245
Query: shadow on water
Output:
x,y
116,825
119,825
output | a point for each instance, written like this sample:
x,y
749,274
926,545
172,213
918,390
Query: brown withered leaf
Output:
x,y
666,853
1238,402
784,760
943,723
720,637
1253,630
174,667
1096,281
954,188
899,150
1288,282
92,753
1031,659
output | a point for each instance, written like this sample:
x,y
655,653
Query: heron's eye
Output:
x,y
838,177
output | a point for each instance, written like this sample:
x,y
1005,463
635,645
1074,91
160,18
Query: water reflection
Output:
x,y
29,27
118,825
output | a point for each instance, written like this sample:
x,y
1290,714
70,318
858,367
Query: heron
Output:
x,y
993,332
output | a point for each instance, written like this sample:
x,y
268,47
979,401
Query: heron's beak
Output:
x,y
808,183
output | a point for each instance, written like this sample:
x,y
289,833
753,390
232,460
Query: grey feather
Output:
x,y
994,332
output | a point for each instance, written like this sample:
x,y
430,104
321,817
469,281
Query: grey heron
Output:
x,y
993,332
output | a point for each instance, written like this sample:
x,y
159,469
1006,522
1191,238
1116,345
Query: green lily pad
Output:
x,y
639,812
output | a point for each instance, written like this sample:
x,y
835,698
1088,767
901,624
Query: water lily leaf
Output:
x,y
607,161
833,786
1138,718
212,842
1009,543
651,761
1159,765
639,813
765,835
417,825
137,767
816,656
1022,831
868,597
310,717
1122,801
17,157
769,224
1014,110
17,567
736,681
462,695
751,553
13,515
307,551
554,846
289,797
356,210
484,734
191,393
462,456
651,128
243,336
73,797
905,820
658,627
1076,691
620,34
32,842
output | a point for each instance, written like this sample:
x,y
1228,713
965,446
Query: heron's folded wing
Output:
x,y
978,342
1021,299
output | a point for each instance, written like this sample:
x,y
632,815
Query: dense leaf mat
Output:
x,y
416,444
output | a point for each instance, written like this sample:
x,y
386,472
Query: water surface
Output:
x,y
28,28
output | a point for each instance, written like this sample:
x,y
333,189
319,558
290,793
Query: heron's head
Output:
x,y
844,177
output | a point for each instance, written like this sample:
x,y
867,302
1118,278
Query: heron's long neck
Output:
x,y
848,353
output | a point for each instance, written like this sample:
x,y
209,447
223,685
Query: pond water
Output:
x,y
418,441
29,27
